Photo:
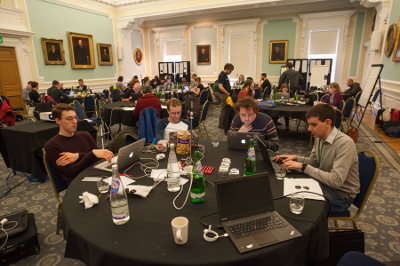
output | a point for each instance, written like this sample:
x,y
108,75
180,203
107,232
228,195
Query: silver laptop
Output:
x,y
247,213
241,140
283,96
126,155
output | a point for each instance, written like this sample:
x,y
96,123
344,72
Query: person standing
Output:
x,y
291,77
224,91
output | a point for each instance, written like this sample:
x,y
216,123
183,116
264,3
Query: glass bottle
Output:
x,y
198,189
250,164
173,171
72,89
296,97
118,199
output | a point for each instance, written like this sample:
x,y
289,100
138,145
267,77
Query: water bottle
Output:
x,y
198,189
163,95
172,95
250,164
173,171
118,199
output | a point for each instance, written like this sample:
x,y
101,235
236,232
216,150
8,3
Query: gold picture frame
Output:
x,y
278,52
104,51
81,50
203,54
390,39
396,52
138,56
53,51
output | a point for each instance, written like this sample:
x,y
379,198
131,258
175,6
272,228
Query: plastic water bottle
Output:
x,y
173,171
118,199
163,95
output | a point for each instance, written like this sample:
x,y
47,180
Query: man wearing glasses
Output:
x,y
172,123
72,151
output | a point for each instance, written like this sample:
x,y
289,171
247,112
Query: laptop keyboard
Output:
x,y
249,227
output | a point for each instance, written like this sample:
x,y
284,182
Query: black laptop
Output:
x,y
247,213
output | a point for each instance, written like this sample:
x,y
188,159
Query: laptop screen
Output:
x,y
243,197
71,93
186,88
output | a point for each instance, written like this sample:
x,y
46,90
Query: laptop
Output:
x,y
247,201
136,96
127,155
283,96
241,140
187,88
71,94
301,98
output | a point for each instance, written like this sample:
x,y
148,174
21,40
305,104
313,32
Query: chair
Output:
x,y
355,258
89,104
203,115
324,97
203,97
368,167
313,88
122,139
58,185
340,105
315,96
168,95
147,124
348,108
257,93
237,90
81,114
114,96
372,102
357,107
339,118
106,93
265,94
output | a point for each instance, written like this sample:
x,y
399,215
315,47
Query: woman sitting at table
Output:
x,y
240,81
248,89
145,81
147,100
195,91
283,88
335,96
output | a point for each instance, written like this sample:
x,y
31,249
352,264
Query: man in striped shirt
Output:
x,y
249,119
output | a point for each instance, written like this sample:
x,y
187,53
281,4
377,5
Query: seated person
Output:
x,y
264,84
25,92
240,82
115,95
168,85
249,119
172,123
33,94
126,94
248,89
155,82
184,82
353,89
283,88
120,85
195,91
145,81
56,93
192,82
136,87
82,87
334,95
72,151
132,82
333,161
147,100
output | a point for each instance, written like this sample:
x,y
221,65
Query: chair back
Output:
x,y
265,93
147,124
168,95
57,182
376,95
203,97
358,96
315,96
204,111
106,93
114,96
340,105
89,104
339,118
368,167
348,107
237,90
257,93
313,88
324,97
78,109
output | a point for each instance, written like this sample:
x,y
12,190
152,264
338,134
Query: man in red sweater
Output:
x,y
72,151
147,100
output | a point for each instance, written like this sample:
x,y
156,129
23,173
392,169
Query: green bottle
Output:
x,y
198,189
72,89
250,164
296,97
276,94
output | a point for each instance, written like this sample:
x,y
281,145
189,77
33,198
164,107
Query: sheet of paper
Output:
x,y
91,179
163,106
158,174
291,185
303,66
170,68
297,65
125,180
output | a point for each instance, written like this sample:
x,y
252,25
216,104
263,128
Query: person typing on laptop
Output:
x,y
249,119
172,123
72,151
333,161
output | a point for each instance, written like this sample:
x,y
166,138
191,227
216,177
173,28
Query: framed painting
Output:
x,y
138,56
278,52
203,54
53,51
396,53
390,38
81,50
105,54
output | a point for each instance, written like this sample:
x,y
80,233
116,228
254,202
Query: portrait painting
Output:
x,y
278,52
390,38
203,53
53,51
105,54
138,56
396,53
81,50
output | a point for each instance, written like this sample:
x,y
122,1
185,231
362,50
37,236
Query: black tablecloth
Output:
x,y
146,239
120,116
24,143
292,111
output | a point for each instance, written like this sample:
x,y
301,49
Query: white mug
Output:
x,y
180,226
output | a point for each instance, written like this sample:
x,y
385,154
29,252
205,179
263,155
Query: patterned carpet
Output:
x,y
379,221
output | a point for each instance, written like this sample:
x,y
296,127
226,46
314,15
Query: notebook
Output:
x,y
126,155
248,200
241,140
283,96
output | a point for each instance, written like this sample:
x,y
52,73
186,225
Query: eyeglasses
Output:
x,y
305,187
70,118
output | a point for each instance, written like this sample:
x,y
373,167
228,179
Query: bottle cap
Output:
x,y
114,166
171,145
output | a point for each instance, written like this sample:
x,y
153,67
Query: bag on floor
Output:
x,y
393,132
353,133
394,116
386,115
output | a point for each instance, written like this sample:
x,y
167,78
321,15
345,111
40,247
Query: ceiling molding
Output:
x,y
128,23
371,3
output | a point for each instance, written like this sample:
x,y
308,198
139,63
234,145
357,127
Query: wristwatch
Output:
x,y
304,167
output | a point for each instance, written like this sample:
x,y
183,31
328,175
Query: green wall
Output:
x,y
203,36
357,43
50,19
391,70
275,30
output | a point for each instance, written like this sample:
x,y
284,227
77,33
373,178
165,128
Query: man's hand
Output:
x,y
67,158
106,154
292,165
160,146
285,158
246,128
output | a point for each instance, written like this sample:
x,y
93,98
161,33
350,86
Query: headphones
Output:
x,y
216,236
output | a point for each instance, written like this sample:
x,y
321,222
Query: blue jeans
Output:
x,y
337,203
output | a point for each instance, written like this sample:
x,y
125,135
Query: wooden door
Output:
x,y
10,82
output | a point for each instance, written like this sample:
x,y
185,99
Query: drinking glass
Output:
x,y
233,173
297,203
215,141
223,172
280,173
102,184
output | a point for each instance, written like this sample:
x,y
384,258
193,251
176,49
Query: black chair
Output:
x,y
81,114
89,104
257,93
203,97
348,108
339,118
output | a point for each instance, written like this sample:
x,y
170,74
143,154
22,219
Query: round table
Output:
x,y
294,111
146,239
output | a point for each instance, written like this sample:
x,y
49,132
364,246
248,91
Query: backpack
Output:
x,y
393,132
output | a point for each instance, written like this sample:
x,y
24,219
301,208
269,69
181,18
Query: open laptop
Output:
x,y
186,88
301,98
247,213
71,94
283,96
126,155
241,140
